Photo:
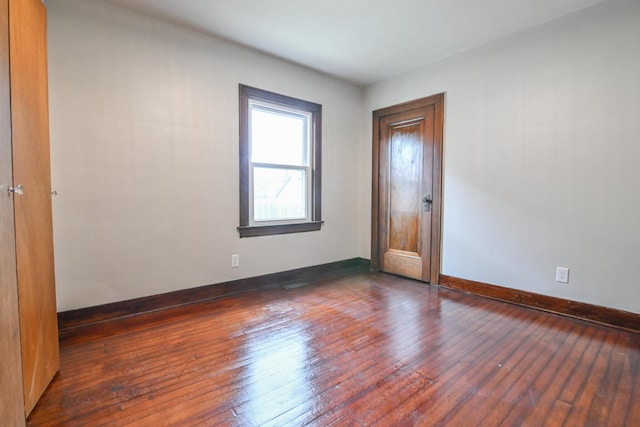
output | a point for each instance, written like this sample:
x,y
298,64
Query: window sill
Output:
x,y
268,230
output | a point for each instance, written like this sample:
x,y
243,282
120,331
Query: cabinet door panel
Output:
x,y
11,396
33,222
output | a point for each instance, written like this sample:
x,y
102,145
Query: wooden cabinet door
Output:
x,y
33,222
11,396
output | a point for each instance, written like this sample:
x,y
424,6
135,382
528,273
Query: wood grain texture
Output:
x,y
406,157
388,123
34,228
11,392
403,264
79,318
436,217
405,193
361,349
607,316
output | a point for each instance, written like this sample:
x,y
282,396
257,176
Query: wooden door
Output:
x,y
11,396
33,222
407,161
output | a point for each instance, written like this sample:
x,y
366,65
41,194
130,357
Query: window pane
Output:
x,y
279,194
280,146
279,138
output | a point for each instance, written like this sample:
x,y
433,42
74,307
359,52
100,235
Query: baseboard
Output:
x,y
593,313
72,319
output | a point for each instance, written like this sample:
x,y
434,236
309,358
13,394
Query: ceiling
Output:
x,y
362,41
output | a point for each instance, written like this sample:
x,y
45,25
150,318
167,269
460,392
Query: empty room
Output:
x,y
289,213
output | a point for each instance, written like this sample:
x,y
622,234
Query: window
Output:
x,y
280,154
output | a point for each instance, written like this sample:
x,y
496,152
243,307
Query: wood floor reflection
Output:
x,y
365,349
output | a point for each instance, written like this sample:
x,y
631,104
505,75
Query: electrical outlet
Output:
x,y
235,260
562,274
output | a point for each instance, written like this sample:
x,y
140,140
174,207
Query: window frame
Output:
x,y
246,228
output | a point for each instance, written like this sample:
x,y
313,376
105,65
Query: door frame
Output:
x,y
436,218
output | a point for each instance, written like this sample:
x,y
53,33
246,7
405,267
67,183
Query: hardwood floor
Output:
x,y
365,349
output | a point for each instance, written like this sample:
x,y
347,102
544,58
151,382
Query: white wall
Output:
x,y
144,140
542,156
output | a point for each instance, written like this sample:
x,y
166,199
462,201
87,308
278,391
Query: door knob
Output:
x,y
426,202
18,189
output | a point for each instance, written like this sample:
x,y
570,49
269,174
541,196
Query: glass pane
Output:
x,y
279,138
279,194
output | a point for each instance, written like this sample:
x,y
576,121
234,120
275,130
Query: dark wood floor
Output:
x,y
367,349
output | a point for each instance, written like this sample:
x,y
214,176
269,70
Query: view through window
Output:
x,y
280,140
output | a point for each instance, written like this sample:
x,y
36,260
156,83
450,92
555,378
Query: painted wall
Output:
x,y
542,155
144,139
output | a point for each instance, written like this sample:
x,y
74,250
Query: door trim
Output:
x,y
436,220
